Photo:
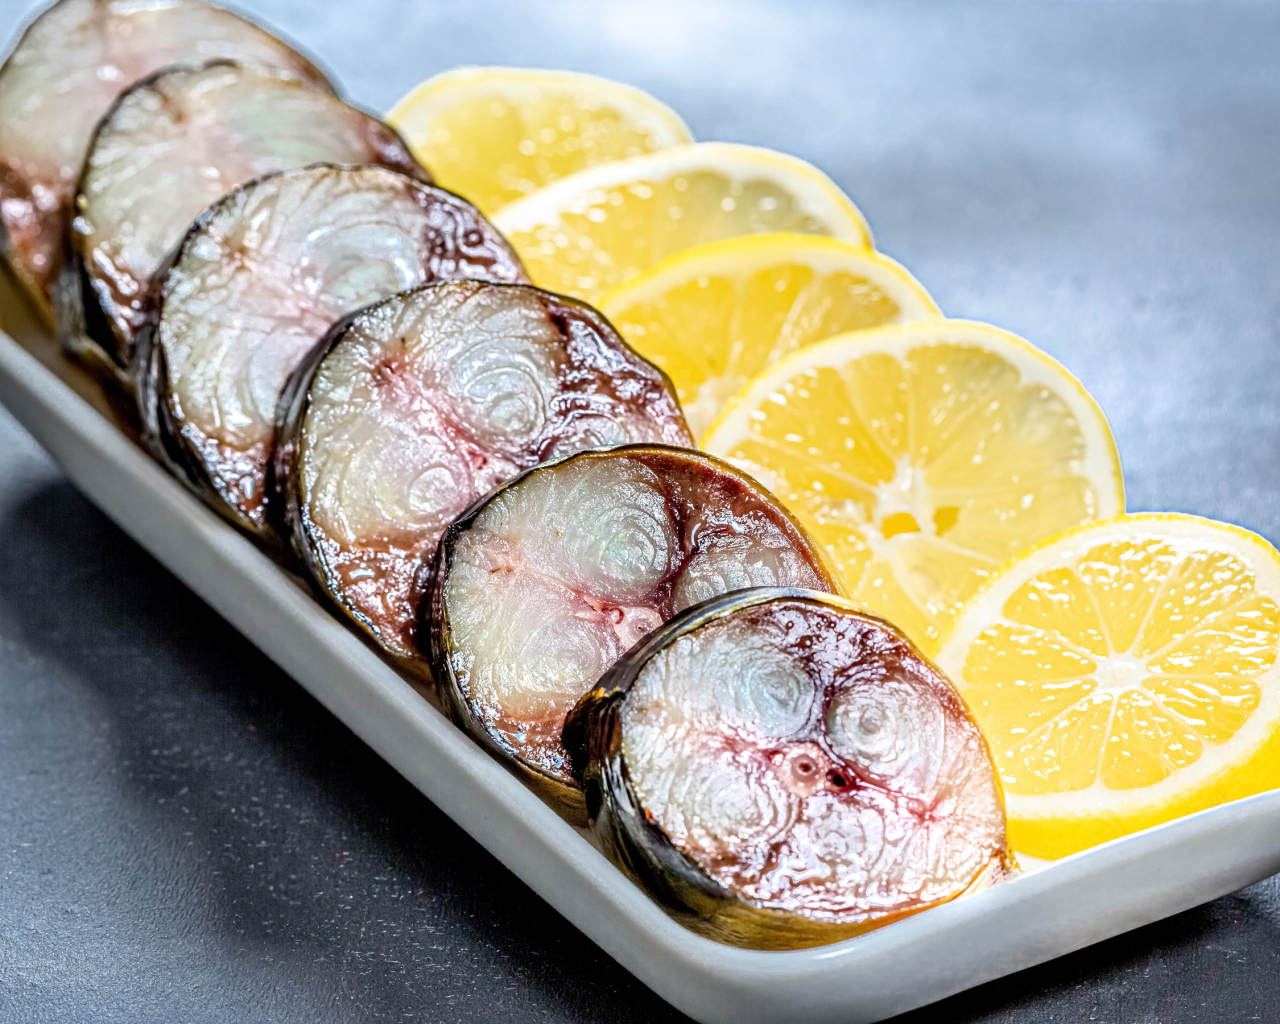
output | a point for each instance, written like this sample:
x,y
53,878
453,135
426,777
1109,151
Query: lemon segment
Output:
x,y
716,315
589,232
923,456
497,134
1124,674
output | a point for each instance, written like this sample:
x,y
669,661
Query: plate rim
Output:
x,y
1072,903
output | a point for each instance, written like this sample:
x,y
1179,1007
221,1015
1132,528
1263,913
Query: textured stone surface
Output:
x,y
186,836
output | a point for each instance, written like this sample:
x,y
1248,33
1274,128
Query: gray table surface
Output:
x,y
185,835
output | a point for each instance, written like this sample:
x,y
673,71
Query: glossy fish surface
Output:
x,y
425,402
172,145
64,73
781,769
539,591
258,281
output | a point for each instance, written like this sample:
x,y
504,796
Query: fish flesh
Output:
x,y
418,406
539,591
65,71
173,144
781,769
257,282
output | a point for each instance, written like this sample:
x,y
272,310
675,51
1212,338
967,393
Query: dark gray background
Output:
x,y
186,836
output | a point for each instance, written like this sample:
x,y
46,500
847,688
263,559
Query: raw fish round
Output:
x,y
782,769
539,591
418,406
175,143
255,285
68,67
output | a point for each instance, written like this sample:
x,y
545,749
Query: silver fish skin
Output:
x,y
170,146
63,74
422,404
257,282
539,591
781,769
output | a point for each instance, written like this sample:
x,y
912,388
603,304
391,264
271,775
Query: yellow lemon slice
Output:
x,y
595,229
497,134
716,315
1125,673
922,457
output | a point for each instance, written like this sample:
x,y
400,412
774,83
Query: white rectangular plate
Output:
x,y
1062,907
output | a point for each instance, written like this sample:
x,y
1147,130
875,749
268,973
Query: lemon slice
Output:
x,y
595,229
923,456
497,134
1125,673
716,315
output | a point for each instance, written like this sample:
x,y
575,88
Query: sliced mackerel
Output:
x,y
67,68
424,403
258,281
782,769
172,145
537,592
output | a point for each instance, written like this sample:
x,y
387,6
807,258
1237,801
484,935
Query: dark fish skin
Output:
x,y
101,296
633,837
452,240
597,374
709,501
67,67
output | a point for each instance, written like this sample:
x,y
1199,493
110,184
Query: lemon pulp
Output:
x,y
923,456
497,134
599,227
715,315
1124,674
